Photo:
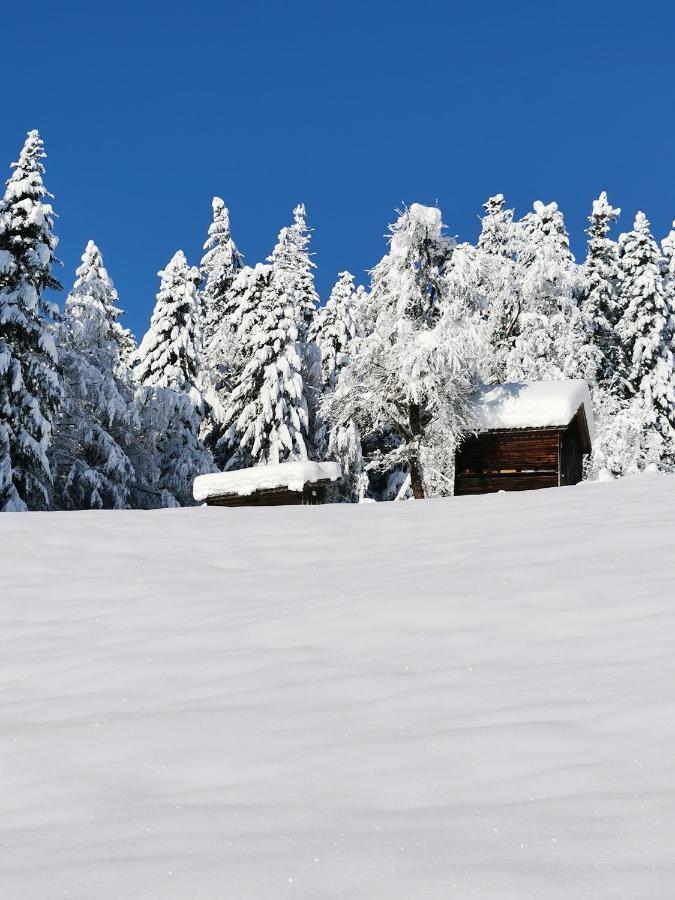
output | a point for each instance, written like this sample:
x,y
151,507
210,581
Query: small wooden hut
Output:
x,y
529,436
286,484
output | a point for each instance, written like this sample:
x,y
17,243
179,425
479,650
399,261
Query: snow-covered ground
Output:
x,y
469,698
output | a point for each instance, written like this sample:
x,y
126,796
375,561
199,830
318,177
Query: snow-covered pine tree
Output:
x,y
246,312
598,300
220,263
267,416
646,334
551,340
498,245
412,377
30,387
97,422
668,250
219,267
168,364
170,353
293,267
334,328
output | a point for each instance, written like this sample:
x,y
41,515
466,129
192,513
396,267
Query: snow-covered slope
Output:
x,y
469,698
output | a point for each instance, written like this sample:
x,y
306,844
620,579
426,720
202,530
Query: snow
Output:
x,y
467,698
291,475
539,404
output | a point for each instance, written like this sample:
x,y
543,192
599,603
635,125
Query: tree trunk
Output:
x,y
414,452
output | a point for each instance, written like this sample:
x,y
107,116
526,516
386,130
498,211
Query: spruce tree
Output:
x,y
267,416
30,386
334,328
499,282
551,340
97,423
168,364
246,312
293,267
598,301
219,268
170,353
646,333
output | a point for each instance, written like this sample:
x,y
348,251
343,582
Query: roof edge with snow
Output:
x,y
292,476
537,404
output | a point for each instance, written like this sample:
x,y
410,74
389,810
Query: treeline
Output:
x,y
241,366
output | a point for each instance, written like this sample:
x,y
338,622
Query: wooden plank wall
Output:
x,y
522,460
311,496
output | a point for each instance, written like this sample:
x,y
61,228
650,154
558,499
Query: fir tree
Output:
x,y
244,312
551,340
97,422
30,387
645,331
293,278
499,283
267,417
219,267
334,328
168,363
598,301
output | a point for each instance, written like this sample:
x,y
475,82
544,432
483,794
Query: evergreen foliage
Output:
x,y
646,333
599,303
168,361
30,386
97,421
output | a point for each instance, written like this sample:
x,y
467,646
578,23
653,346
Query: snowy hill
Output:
x,y
469,698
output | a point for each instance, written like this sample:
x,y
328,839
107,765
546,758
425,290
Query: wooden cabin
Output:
x,y
529,436
286,484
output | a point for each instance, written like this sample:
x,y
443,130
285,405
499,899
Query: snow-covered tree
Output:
x,y
267,417
334,328
219,303
170,353
598,301
168,363
97,422
646,334
411,378
244,312
551,340
624,444
268,413
220,263
293,270
498,244
30,387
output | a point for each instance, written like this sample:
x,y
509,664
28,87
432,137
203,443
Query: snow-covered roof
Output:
x,y
243,482
539,404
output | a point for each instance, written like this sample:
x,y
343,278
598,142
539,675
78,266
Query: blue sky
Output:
x,y
149,109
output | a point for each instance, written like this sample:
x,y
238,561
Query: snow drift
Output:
x,y
469,697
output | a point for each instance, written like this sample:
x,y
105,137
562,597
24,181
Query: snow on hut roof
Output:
x,y
291,475
539,404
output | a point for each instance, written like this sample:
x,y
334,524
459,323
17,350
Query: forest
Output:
x,y
242,365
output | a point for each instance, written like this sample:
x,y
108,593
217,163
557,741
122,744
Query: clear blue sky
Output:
x,y
149,109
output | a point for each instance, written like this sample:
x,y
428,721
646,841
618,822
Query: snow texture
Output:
x,y
468,698
243,482
540,404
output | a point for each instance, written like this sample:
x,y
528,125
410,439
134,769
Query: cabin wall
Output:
x,y
310,496
571,454
508,461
